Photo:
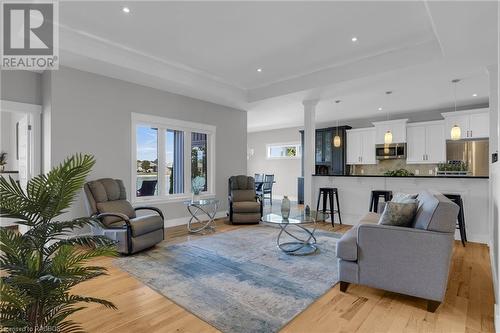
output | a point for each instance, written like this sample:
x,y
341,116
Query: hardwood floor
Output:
x,y
468,306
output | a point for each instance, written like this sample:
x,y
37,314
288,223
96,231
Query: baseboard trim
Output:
x,y
184,220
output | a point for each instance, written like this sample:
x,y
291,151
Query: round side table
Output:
x,y
198,208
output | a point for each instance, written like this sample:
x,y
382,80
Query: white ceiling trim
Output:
x,y
383,62
78,49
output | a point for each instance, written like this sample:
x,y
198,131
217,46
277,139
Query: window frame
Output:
x,y
297,146
163,124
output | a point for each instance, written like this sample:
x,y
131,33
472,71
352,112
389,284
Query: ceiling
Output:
x,y
212,50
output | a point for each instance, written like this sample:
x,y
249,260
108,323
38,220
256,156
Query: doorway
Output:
x,y
20,144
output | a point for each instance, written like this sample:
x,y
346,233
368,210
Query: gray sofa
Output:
x,y
107,201
413,261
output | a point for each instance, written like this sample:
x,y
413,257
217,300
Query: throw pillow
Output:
x,y
403,197
399,214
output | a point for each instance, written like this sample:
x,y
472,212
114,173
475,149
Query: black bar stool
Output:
x,y
457,198
328,193
376,195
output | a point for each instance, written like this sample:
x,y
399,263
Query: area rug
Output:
x,y
238,281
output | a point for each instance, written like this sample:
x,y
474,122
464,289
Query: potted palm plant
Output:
x,y
3,160
41,266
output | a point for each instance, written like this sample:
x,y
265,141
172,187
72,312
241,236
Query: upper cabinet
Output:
x,y
426,143
474,124
397,128
361,146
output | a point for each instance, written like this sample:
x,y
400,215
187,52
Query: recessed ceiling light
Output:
x,y
354,39
380,108
259,70
126,10
338,101
474,95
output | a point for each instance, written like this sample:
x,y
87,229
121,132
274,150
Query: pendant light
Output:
x,y
337,142
388,134
456,132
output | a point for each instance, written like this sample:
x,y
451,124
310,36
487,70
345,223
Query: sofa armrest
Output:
x,y
404,260
151,208
120,215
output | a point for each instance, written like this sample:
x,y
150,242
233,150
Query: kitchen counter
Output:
x,y
419,176
355,191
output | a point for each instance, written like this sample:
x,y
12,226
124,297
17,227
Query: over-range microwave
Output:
x,y
390,151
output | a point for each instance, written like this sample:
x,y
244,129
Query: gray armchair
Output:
x,y
106,200
245,206
413,261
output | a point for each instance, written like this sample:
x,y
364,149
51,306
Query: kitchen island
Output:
x,y
355,191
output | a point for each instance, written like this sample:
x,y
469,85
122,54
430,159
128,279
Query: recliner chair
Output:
x,y
245,206
107,201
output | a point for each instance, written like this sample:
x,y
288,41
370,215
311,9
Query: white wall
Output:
x,y
92,113
285,171
21,86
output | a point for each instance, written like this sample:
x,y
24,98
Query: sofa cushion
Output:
x,y
145,224
242,183
112,188
246,217
98,191
436,213
401,197
117,206
400,214
347,246
243,195
246,207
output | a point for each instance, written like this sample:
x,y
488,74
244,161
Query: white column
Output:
x,y
309,150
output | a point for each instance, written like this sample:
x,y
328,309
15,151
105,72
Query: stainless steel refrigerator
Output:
x,y
473,152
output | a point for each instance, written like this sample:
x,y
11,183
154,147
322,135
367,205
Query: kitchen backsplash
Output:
x,y
388,165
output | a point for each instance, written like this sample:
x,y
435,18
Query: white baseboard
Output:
x,y
184,220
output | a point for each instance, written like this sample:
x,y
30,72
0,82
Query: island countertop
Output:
x,y
355,191
419,176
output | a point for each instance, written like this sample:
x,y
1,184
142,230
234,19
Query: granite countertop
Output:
x,y
421,176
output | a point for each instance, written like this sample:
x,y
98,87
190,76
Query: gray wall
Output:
x,y
21,86
285,171
92,113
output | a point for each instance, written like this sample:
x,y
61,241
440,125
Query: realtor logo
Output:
x,y
30,38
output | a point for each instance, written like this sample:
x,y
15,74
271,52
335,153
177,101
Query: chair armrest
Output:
x,y
120,215
151,208
404,260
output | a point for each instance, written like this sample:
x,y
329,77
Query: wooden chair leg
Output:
x,y
343,286
432,306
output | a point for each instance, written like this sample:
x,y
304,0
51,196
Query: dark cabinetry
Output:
x,y
330,160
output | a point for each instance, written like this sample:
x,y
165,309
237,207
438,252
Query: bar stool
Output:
x,y
375,197
328,193
457,198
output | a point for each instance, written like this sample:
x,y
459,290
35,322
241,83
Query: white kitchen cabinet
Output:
x,y
479,125
474,124
361,146
397,128
426,143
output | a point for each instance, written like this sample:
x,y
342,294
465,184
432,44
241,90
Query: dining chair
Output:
x,y
267,188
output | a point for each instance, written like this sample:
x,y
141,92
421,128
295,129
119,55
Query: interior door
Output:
x,y
479,125
23,152
415,136
435,144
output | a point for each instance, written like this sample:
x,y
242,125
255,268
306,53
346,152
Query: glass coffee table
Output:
x,y
206,207
303,241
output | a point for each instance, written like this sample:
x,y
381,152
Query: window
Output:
x,y
284,151
199,159
147,161
170,157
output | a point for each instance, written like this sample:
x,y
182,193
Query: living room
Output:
x,y
250,166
